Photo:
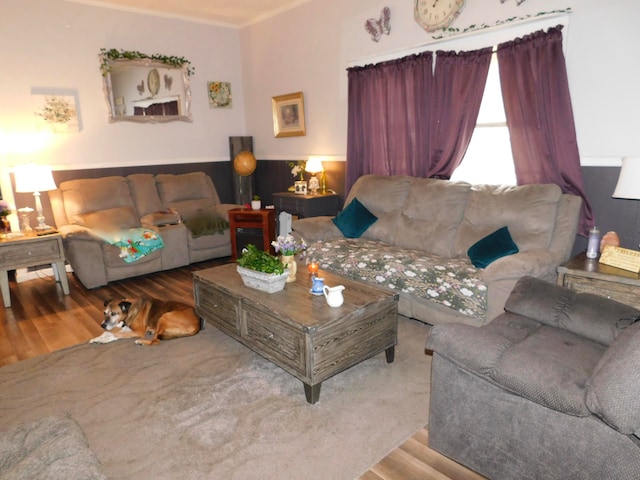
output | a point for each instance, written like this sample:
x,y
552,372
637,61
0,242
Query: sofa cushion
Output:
x,y
613,391
492,206
119,218
546,365
94,194
144,193
431,215
189,186
384,196
354,219
492,247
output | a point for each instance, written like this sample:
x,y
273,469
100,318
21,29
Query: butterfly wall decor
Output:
x,y
377,27
518,2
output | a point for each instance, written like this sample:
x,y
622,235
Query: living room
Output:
x,y
54,44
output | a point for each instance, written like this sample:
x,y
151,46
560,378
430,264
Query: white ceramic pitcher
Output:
x,y
333,295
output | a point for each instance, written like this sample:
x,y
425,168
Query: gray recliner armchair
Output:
x,y
550,389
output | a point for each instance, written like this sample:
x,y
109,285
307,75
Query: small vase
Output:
x,y
289,261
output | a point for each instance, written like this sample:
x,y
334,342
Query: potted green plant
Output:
x,y
256,204
261,270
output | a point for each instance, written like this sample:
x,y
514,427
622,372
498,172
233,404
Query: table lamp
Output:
x,y
629,180
35,178
314,165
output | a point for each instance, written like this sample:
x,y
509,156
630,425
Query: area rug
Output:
x,y
207,407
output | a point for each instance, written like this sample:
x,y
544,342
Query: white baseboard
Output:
x,y
26,274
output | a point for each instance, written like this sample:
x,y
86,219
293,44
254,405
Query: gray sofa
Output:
x,y
185,210
418,244
548,390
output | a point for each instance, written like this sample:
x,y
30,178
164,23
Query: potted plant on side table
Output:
x,y
261,270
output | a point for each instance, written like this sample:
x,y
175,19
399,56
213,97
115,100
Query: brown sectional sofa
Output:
x,y
165,203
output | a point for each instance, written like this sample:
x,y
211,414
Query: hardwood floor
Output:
x,y
42,319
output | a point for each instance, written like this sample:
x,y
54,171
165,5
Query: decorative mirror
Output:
x,y
146,89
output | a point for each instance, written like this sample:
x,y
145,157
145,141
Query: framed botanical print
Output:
x,y
288,115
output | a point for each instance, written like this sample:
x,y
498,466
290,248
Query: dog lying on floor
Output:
x,y
148,319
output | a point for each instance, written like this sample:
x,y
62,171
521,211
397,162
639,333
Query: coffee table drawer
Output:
x,y
274,339
217,308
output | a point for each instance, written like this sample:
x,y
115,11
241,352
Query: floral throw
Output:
x,y
134,243
453,282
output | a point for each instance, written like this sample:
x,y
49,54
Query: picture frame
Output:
x,y
56,109
288,115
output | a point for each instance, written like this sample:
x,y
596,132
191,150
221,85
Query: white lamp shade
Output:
x,y
33,178
629,180
314,165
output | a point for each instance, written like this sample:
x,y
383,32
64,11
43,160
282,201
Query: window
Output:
x,y
488,158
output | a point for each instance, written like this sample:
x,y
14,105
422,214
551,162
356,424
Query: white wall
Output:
x,y
55,44
309,48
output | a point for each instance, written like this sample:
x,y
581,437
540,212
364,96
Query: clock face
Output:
x,y
436,14
153,80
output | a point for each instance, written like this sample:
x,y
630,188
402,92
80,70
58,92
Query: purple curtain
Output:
x,y
459,81
388,118
535,90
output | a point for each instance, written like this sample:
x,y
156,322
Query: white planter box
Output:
x,y
266,282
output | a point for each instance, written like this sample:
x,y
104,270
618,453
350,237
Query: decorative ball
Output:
x,y
245,163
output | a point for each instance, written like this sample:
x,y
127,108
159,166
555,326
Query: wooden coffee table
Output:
x,y
296,330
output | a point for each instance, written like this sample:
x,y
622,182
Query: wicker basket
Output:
x,y
266,282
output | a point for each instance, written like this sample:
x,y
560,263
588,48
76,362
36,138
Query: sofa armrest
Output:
x,y
536,263
222,209
76,232
313,229
159,219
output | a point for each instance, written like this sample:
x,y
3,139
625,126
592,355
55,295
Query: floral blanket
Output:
x,y
134,243
453,282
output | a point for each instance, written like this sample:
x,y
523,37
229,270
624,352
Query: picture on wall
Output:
x,y
219,94
288,115
56,110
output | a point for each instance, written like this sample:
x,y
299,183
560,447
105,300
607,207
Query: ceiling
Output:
x,y
233,13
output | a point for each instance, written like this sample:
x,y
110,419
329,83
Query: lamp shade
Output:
x,y
33,178
629,180
314,165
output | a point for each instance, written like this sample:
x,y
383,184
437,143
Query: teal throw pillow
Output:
x,y
354,220
492,247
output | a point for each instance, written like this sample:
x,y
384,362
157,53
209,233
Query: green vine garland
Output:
x,y
450,32
114,54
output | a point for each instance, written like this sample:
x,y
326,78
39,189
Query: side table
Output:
x,y
307,205
590,276
251,226
29,251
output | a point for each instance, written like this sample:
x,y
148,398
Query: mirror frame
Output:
x,y
107,63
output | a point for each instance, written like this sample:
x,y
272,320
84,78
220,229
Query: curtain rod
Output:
x,y
421,47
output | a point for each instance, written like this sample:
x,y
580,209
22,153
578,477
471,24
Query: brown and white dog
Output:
x,y
148,319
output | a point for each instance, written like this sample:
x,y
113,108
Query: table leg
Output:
x,y
4,286
312,392
390,353
60,274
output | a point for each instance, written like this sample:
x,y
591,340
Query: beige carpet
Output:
x,y
207,407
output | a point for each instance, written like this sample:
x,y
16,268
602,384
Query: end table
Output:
x,y
28,251
587,275
251,226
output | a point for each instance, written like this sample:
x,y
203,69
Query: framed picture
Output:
x,y
56,109
288,115
219,94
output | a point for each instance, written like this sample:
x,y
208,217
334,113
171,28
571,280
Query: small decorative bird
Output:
x,y
140,87
377,27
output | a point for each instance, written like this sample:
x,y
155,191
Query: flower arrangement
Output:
x,y
288,245
4,208
298,168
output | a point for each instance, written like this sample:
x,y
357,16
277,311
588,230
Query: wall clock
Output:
x,y
434,15
153,81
